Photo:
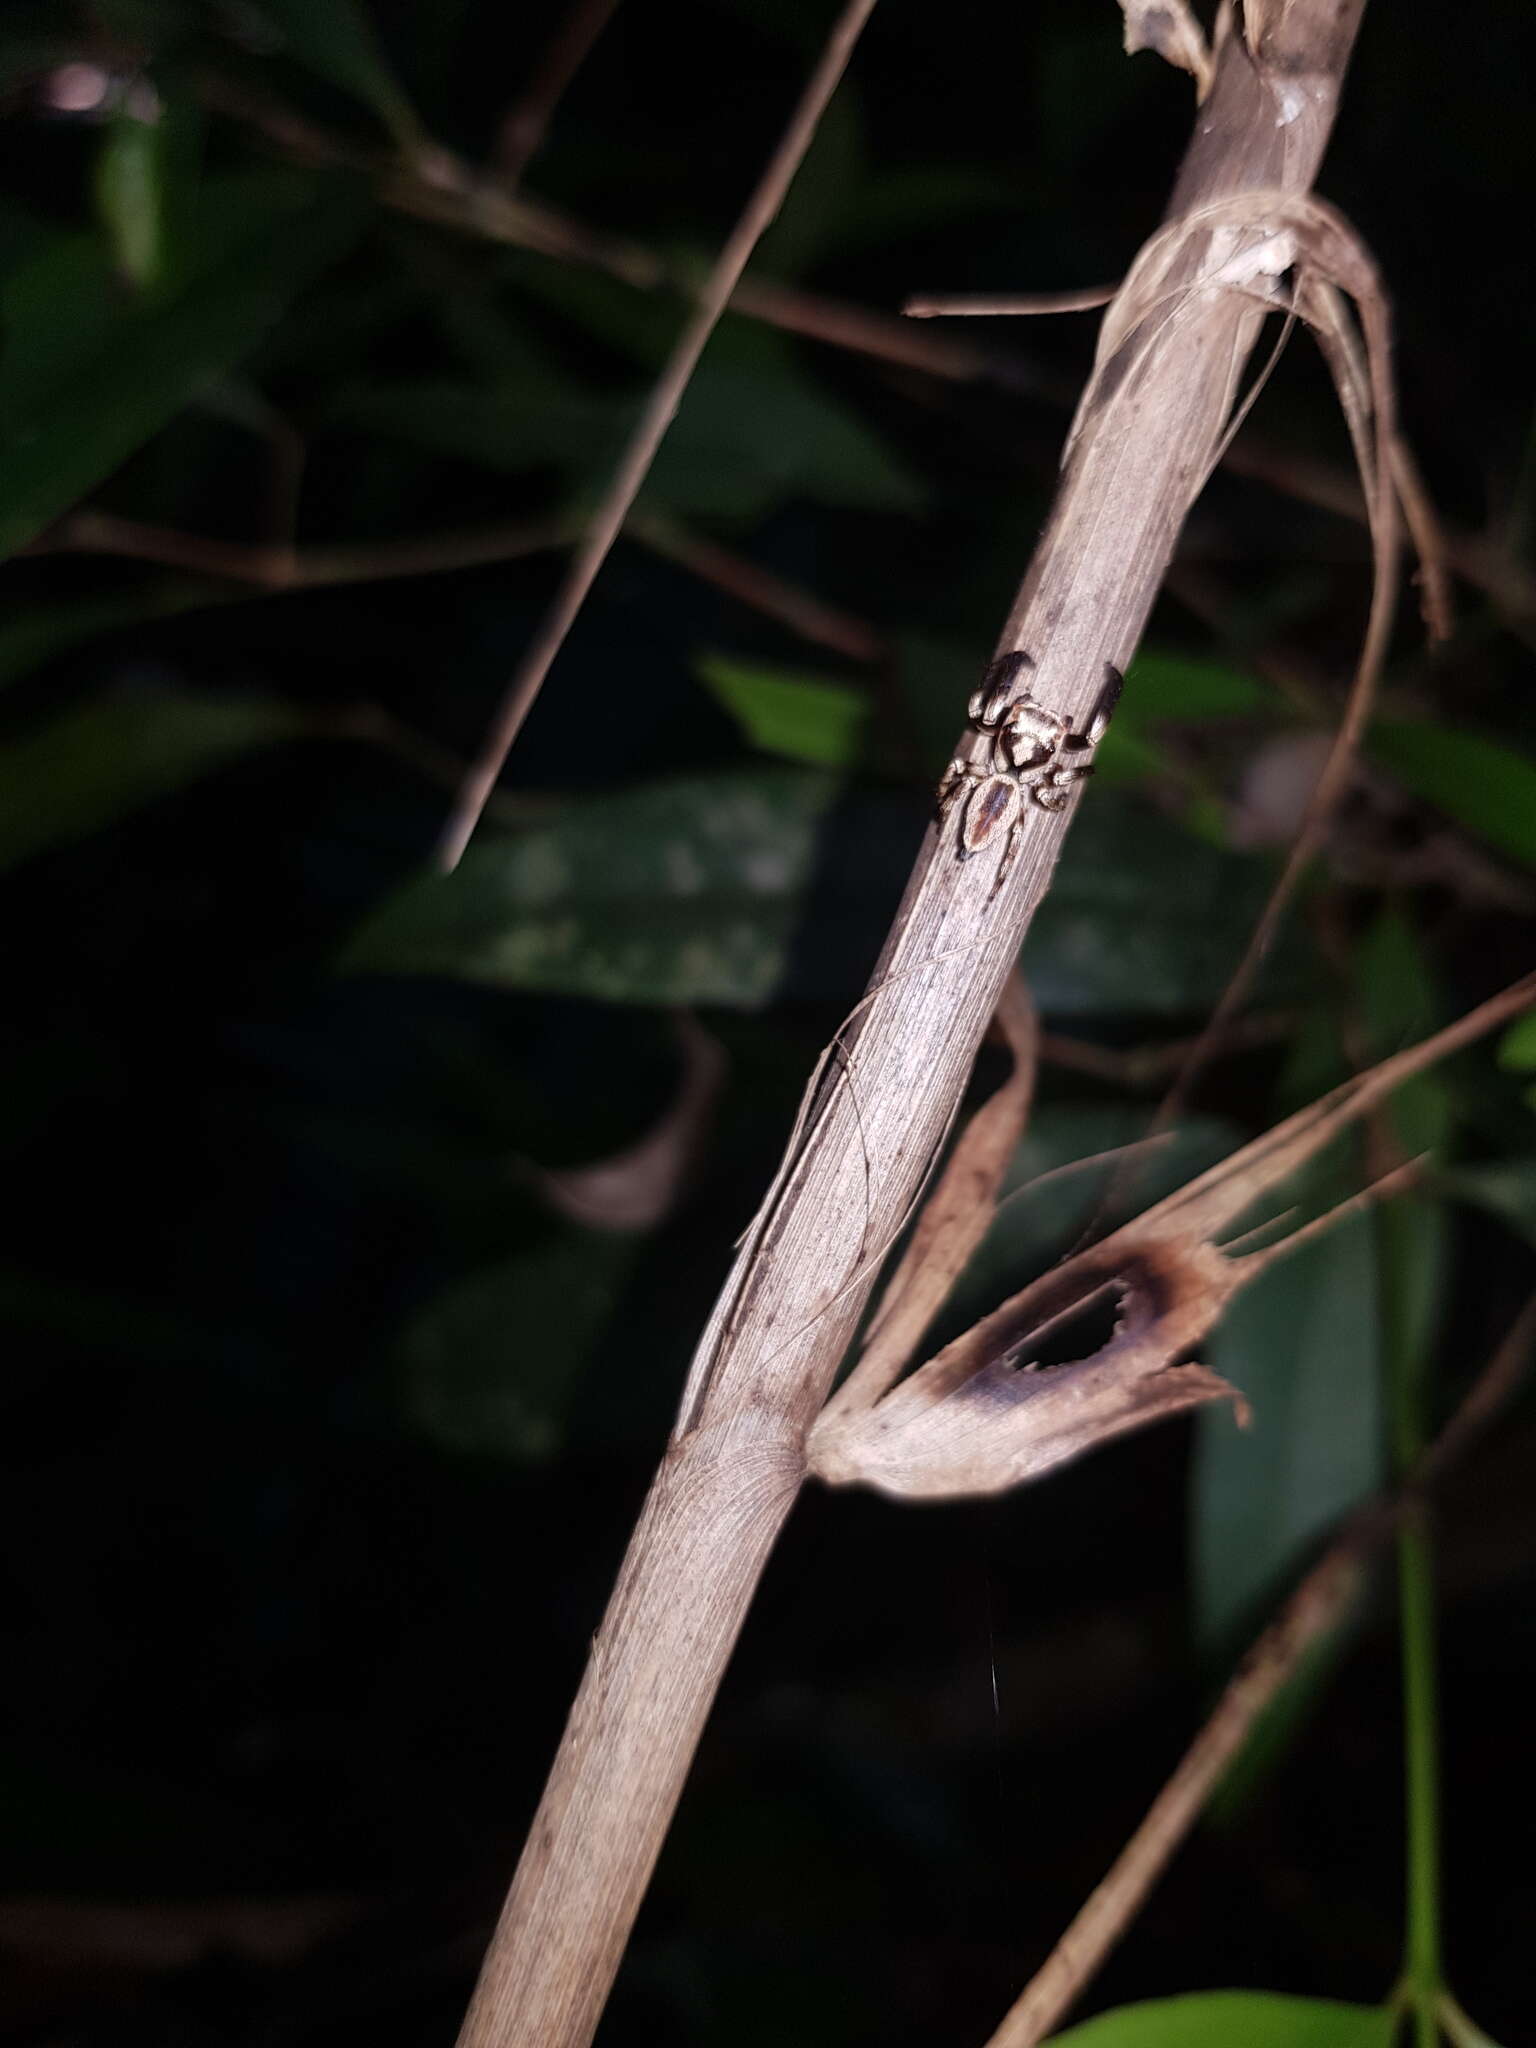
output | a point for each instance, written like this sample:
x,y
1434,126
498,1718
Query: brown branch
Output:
x,y
1316,1607
278,569
453,197
887,339
1490,568
1143,1066
651,427
1012,305
800,611
273,569
876,1116
526,123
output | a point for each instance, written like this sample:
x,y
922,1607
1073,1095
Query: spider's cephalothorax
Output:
x,y
1021,759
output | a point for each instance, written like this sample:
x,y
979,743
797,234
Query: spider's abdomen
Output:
x,y
993,807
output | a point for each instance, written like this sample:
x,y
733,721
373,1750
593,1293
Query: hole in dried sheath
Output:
x,y
1076,1331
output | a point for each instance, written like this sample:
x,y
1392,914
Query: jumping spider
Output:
x,y
1023,758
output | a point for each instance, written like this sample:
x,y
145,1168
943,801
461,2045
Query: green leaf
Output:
x,y
754,430
1506,1190
1142,917
336,40
1480,783
896,203
820,199
1302,1342
144,189
1277,1728
679,892
1169,689
1236,2019
129,198
32,636
935,678
1125,758
781,711
492,1365
1399,1003
1160,689
1517,1048
87,376
117,753
691,890
1173,687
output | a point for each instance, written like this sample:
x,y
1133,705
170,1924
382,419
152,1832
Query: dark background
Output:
x,y
324,1430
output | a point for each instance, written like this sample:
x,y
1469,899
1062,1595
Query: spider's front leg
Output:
x,y
956,776
1053,789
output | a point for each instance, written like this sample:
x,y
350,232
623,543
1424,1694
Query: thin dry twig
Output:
x,y
1314,1609
92,532
275,570
452,197
1143,1066
526,122
650,429
801,612
981,305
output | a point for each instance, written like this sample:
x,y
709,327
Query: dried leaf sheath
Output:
x,y
977,1419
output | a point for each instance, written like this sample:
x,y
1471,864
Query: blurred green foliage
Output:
x,y
1225,2016
326,1424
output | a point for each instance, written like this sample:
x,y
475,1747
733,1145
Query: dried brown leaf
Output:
x,y
1294,254
956,1215
1169,28
636,1188
975,1420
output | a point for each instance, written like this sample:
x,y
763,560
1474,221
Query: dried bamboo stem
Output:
x,y
876,1120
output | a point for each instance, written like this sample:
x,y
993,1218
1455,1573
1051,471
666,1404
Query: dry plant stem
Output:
x,y
1143,1066
879,1115
1317,1606
453,199
650,430
526,123
1503,577
976,305
803,613
275,570
840,324
90,532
